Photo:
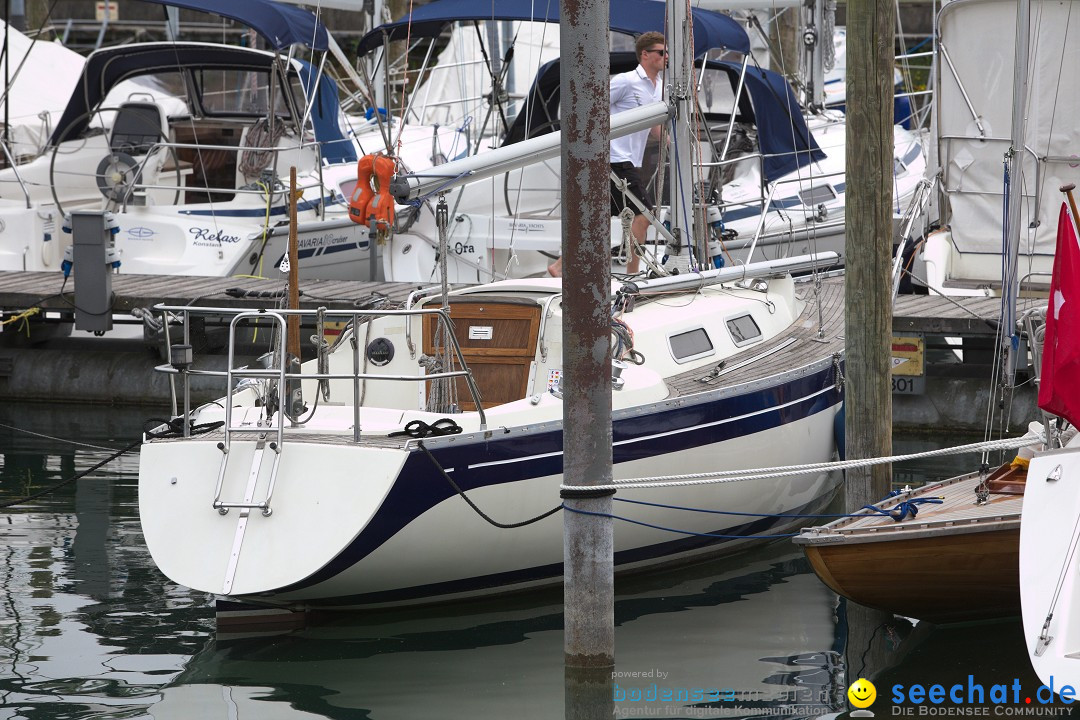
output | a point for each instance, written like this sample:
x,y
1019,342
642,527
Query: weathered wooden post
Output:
x,y
868,245
588,554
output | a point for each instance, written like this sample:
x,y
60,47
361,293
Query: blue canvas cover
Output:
x,y
324,116
107,67
769,103
784,139
631,17
282,25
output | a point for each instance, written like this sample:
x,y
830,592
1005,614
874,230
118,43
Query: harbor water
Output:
x,y
90,629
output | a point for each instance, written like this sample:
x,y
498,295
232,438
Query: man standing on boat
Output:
x,y
630,90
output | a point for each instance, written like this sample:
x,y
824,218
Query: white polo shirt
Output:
x,y
630,90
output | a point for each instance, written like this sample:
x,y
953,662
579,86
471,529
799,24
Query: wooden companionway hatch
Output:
x,y
498,341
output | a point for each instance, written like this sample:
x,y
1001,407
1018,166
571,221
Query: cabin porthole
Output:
x,y
380,351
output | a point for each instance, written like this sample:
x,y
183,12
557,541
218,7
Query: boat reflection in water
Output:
x,y
753,631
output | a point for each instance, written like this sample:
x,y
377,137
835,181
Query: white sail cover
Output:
x,y
979,37
455,91
38,90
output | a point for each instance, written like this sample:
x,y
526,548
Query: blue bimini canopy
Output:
x,y
106,68
768,103
335,146
630,17
281,25
783,138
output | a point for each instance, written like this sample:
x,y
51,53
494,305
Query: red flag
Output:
x,y
1059,384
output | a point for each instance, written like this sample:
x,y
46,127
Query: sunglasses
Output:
x,y
658,52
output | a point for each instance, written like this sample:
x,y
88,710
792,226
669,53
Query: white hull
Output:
x,y
1050,566
446,552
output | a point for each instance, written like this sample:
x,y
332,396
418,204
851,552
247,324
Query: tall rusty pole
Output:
x,y
588,587
868,245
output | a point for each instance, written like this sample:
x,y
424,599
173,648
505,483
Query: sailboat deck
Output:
x,y
798,345
957,513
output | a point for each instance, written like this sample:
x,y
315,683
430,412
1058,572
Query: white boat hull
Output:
x,y
1050,566
396,532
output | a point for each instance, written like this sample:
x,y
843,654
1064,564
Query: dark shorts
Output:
x,y
635,184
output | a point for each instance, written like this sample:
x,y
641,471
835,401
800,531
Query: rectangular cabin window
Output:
x,y
237,93
690,345
167,89
743,330
817,195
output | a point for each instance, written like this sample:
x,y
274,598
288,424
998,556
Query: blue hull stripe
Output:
x,y
313,252
420,487
260,212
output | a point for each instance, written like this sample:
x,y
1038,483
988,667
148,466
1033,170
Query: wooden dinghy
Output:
x,y
954,561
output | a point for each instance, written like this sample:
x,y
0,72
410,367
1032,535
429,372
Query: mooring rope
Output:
x,y
729,476
73,478
175,427
477,510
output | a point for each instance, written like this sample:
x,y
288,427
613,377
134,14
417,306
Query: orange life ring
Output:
x,y
362,193
381,207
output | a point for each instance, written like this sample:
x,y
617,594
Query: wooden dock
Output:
x,y
936,315
22,290
929,314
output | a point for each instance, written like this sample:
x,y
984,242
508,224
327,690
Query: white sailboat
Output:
x,y
972,124
368,476
770,181
179,143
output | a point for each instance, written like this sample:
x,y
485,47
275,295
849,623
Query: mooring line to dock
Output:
x,y
73,478
55,438
728,476
907,507
174,428
477,510
683,532
806,516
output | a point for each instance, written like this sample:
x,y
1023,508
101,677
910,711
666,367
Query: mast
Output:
x,y
678,81
1010,287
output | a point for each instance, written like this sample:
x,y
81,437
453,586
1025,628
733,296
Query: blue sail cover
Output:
x,y
335,147
631,17
281,25
783,138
